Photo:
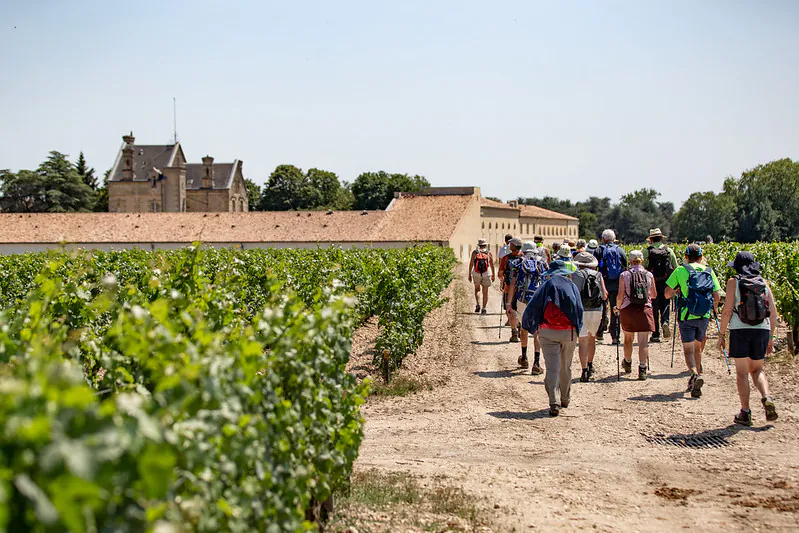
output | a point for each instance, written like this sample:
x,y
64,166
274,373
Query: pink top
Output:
x,y
624,280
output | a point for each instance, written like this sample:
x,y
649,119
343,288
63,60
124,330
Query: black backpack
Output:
x,y
660,262
639,287
754,306
590,292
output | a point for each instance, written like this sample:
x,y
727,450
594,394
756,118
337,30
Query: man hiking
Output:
x,y
612,262
660,260
503,252
479,264
592,293
542,248
751,316
515,245
700,293
527,274
556,314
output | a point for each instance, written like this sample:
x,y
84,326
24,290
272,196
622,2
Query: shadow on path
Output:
x,y
672,397
489,343
493,374
514,415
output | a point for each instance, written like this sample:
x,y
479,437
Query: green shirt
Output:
x,y
679,278
672,257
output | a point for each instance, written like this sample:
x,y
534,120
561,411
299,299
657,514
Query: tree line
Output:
x,y
758,206
58,186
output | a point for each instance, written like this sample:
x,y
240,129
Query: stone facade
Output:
x,y
498,219
157,178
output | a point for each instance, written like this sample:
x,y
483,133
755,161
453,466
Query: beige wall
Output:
x,y
551,229
495,223
464,238
207,200
134,196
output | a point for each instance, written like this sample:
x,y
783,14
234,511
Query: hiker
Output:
x,y
634,307
515,254
612,262
564,255
660,260
542,250
579,247
592,294
700,293
505,250
592,247
479,264
526,277
751,315
556,314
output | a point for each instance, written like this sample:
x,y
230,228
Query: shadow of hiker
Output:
x,y
489,343
493,374
514,415
730,431
657,398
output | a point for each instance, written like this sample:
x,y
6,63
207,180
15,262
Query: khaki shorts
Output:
x,y
483,279
591,320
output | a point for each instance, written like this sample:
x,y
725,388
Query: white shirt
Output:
x,y
505,250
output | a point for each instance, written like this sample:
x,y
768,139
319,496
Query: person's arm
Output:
x,y
646,258
773,321
511,294
620,294
653,292
471,265
726,315
672,258
672,285
717,293
602,284
491,262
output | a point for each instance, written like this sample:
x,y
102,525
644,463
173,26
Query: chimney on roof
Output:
x,y
127,157
208,172
513,203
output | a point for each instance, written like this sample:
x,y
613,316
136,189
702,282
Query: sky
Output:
x,y
568,99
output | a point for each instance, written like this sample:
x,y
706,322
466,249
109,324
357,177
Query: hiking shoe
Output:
x,y
744,418
664,327
476,308
514,336
691,381
771,409
483,312
600,336
507,323
615,342
627,366
696,388
642,373
537,370
554,409
654,338
591,371
564,404
585,376
522,360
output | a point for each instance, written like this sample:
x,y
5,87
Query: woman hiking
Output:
x,y
750,314
634,307
592,291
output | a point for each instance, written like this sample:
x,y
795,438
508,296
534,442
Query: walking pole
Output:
x,y
500,315
674,316
618,342
726,359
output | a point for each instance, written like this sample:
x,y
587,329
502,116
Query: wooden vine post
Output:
x,y
386,365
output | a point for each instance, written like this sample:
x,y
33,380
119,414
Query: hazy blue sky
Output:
x,y
526,98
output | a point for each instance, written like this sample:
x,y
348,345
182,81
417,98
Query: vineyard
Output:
x,y
196,388
780,262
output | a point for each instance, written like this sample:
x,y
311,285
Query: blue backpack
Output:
x,y
699,301
611,262
529,276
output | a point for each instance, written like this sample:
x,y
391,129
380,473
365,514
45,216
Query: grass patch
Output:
x,y
379,490
398,386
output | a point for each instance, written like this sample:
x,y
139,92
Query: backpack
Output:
x,y
699,301
639,287
660,262
481,262
530,275
754,306
590,292
611,262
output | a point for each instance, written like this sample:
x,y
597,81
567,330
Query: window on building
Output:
x,y
489,225
484,225
514,226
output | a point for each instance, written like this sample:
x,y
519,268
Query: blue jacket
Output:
x,y
561,291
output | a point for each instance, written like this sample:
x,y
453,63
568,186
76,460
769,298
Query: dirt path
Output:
x,y
488,431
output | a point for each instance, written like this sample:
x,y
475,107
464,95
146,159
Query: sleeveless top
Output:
x,y
737,323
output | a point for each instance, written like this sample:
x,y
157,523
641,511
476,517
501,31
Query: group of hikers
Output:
x,y
573,292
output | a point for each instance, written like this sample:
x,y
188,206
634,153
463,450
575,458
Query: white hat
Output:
x,y
636,255
529,246
564,251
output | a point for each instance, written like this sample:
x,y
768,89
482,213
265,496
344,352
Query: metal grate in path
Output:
x,y
689,441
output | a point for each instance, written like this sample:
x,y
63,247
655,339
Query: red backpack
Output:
x,y
481,262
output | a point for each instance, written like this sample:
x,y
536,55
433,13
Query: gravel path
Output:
x,y
487,430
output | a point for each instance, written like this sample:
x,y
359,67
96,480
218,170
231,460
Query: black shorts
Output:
x,y
751,343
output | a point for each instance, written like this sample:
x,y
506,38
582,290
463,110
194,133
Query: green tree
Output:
x,y
64,188
101,196
325,187
703,214
345,200
637,213
375,190
22,192
765,196
253,194
287,189
86,173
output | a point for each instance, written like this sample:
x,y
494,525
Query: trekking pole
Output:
x,y
618,343
674,335
726,359
502,312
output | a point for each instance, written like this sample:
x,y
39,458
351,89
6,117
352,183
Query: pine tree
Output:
x,y
86,173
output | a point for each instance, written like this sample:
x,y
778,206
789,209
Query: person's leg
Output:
x,y
698,347
603,323
627,362
582,352
524,336
551,350
537,356
742,370
643,354
476,291
759,377
566,356
485,295
656,311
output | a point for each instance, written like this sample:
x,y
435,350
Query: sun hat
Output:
x,y
529,246
564,251
516,241
592,244
636,255
745,264
482,243
580,243
585,259
656,233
